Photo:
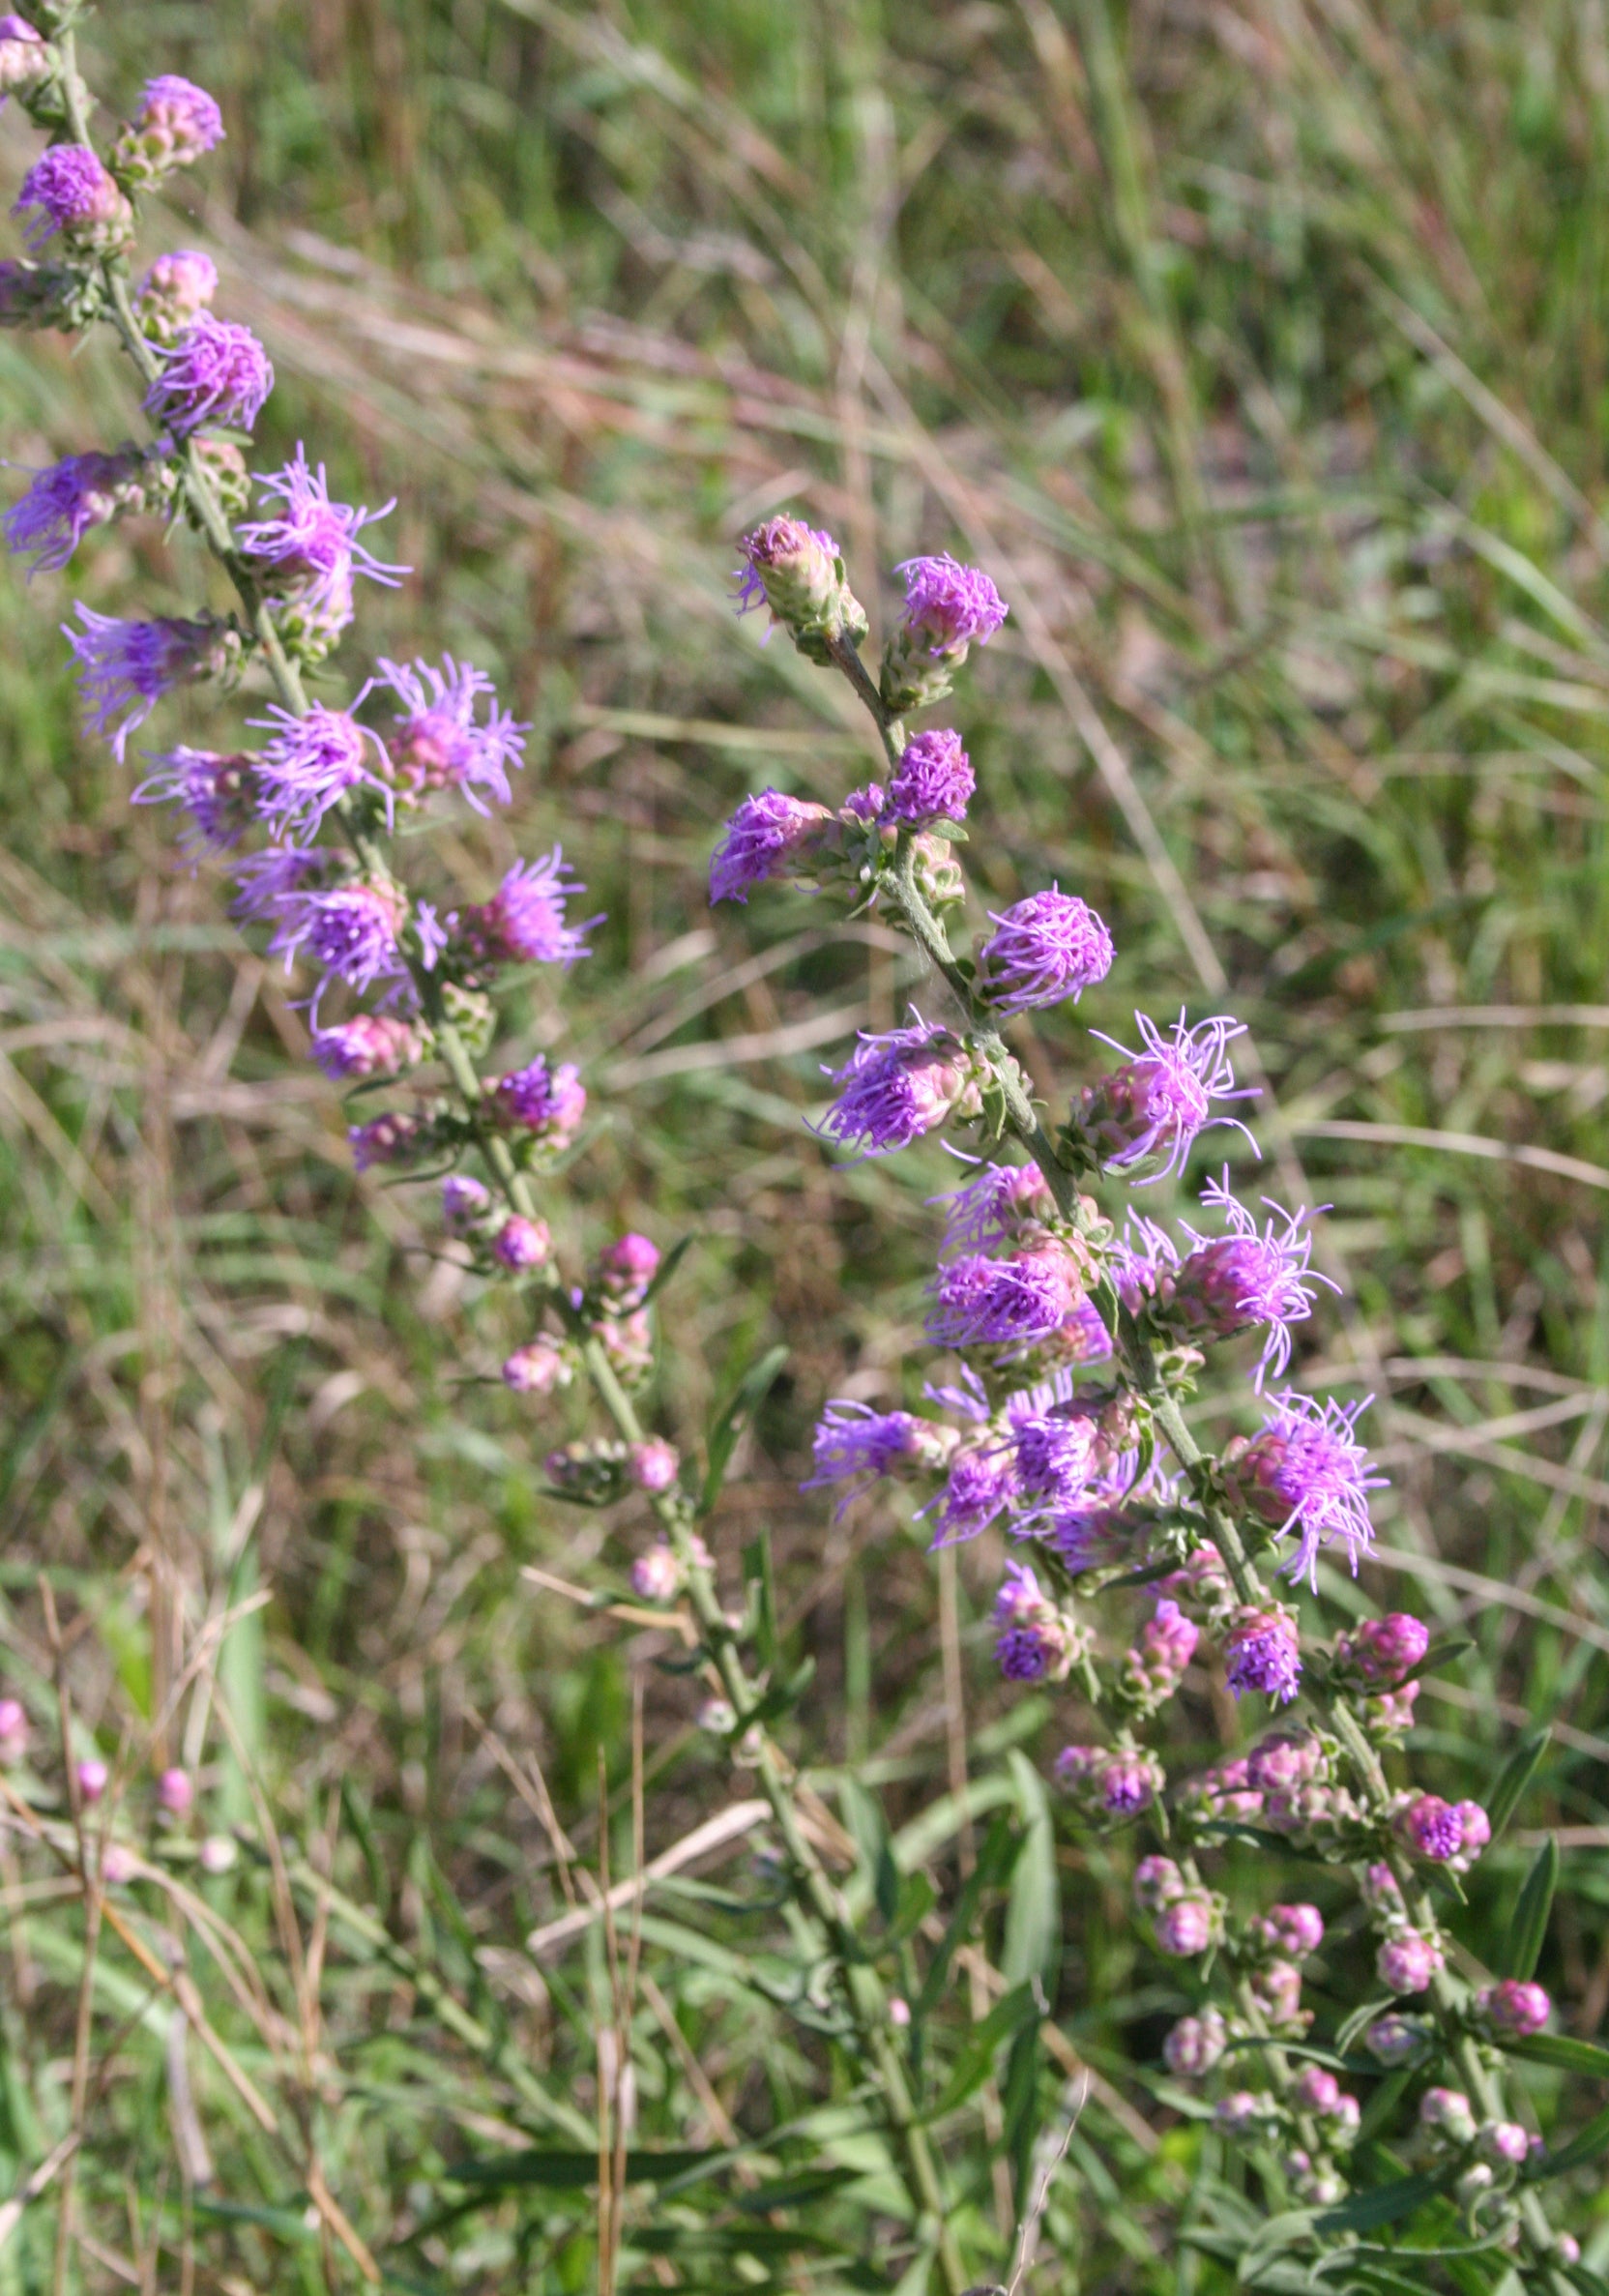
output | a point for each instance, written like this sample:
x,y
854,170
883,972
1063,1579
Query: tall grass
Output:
x,y
1260,350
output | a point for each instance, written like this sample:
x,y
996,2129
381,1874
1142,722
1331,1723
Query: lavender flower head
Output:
x,y
1055,1456
898,1086
214,787
855,1444
1261,1651
1033,1642
65,501
309,547
440,743
373,1044
1305,1471
1005,1303
767,836
174,124
546,1100
74,196
933,780
1248,1277
216,373
352,931
1157,1104
1043,949
264,880
24,58
311,763
174,288
1430,1828
991,1209
798,573
980,1484
950,607
524,921
126,668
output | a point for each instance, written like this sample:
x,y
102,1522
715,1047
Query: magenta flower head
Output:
x,y
520,1244
213,787
993,1209
181,283
1043,949
799,574
65,501
308,547
654,1466
1195,2045
898,1086
217,375
176,1793
1187,1923
1104,1783
1150,1110
373,1044
126,668
73,193
949,608
391,1138
464,1201
1306,1473
1033,1641
524,921
175,123
657,1576
1005,1303
1261,1651
1250,1277
770,836
24,58
1430,1828
537,1367
1056,1453
855,1444
351,931
980,1484
311,763
547,1101
1292,1931
1407,1961
1383,1650
933,780
1514,2007
441,743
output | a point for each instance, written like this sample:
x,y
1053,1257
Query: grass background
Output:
x,y
1259,350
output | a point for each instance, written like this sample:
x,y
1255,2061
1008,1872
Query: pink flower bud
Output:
x,y
1430,1828
1504,2143
537,1367
1316,2090
1407,1962
520,1244
1447,2112
176,1793
1476,1828
1244,2112
1276,1989
657,1575
1195,2045
1383,1650
92,1781
1514,2005
216,1854
900,2010
654,1466
1185,1924
1395,2040
1282,1761
118,1865
1158,1882
1295,1930
13,1732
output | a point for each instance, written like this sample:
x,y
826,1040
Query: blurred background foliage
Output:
x,y
1258,348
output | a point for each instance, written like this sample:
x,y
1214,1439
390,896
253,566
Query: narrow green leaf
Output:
x,y
1279,2233
733,1416
667,1268
1002,1845
1384,2204
1361,2017
975,2059
1514,1777
556,2168
1032,1942
1558,2049
1522,1944
1586,2145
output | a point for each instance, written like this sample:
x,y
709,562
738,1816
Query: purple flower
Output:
x,y
1195,2045
74,196
1407,1962
215,788
309,764
765,837
980,1484
898,1086
1045,948
1157,1882
537,1369
1430,1828
1394,2038
263,881
216,373
520,1244
1514,2005
1034,1643
933,780
1004,1303
310,545
1228,1282
1261,1651
1383,1650
1128,1783
950,607
993,1209
654,1466
625,1268
1055,1455
24,58
1157,1104
524,921
464,1201
179,117
1305,1471
351,931
65,501
798,573
550,1102
371,1045
440,744
855,1444
126,668
1293,1931
1186,1924
391,1138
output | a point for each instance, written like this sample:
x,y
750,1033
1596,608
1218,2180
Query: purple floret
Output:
x,y
71,189
126,668
351,931
183,115
1262,1653
542,1099
763,836
1043,949
897,1086
980,1484
64,502
217,375
311,542
214,788
441,743
951,607
933,780
1250,1277
1157,1102
1003,1303
309,764
524,921
1305,1471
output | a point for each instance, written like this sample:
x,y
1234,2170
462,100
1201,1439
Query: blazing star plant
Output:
x,y
1080,1322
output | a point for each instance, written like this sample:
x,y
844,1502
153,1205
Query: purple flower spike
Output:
x,y
1261,1651
981,1483
309,764
768,836
950,606
898,1086
74,196
524,921
1306,1471
216,373
1157,1104
215,790
65,501
440,743
351,931
126,668
933,780
182,116
1230,1282
550,1102
1004,1303
310,548
1043,949
855,1444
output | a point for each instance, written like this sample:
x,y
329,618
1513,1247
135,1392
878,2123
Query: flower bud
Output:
x,y
1261,1651
1296,1930
13,1732
1276,1989
717,1715
654,1466
118,1865
799,574
537,1367
900,2010
463,1202
657,1576
24,58
1383,1650
1503,2143
391,1138
1245,2113
217,1854
1315,2090
175,1793
1187,1923
1514,2005
1407,1962
949,608
1195,2045
92,1775
1158,1882
1285,1760
522,1243
1395,2040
